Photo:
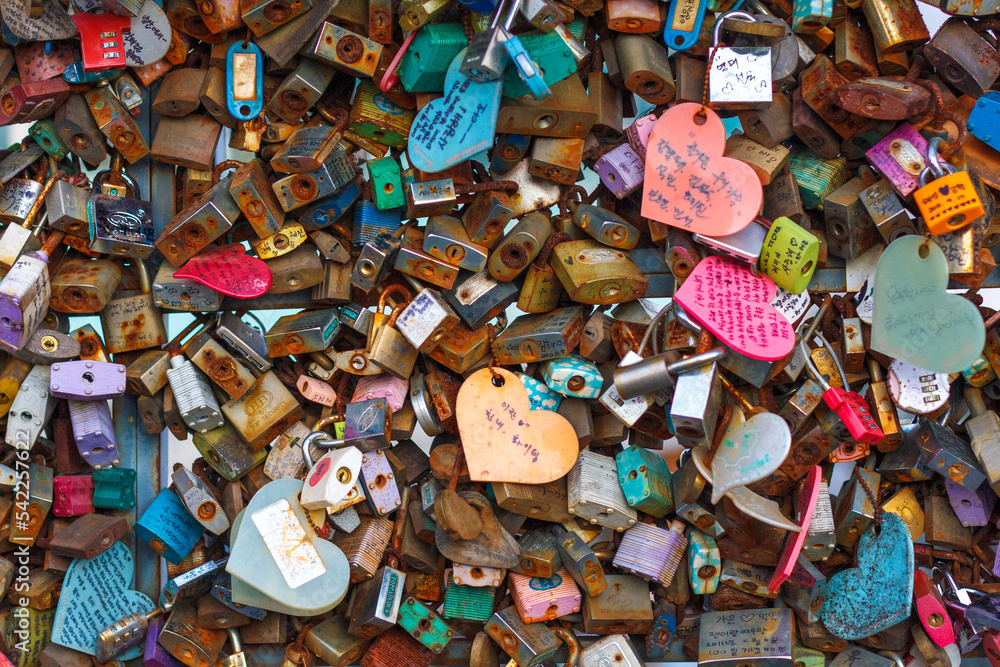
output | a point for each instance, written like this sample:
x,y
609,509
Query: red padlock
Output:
x,y
72,495
931,610
848,405
101,42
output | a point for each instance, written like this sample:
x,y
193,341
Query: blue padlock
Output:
x,y
244,89
539,394
168,527
984,119
573,376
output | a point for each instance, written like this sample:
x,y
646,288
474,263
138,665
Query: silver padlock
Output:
x,y
486,57
739,77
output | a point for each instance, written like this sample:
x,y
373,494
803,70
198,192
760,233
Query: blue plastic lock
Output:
x,y
243,99
683,24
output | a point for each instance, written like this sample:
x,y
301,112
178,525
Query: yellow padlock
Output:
x,y
949,202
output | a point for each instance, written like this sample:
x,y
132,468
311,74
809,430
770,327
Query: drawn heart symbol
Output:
x,y
746,618
504,439
324,573
228,269
689,184
94,595
453,128
879,591
736,306
749,452
944,190
914,319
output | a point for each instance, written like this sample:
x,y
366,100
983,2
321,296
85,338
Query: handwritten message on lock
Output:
x,y
735,305
228,269
688,183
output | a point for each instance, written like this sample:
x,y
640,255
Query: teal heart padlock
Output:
x,y
95,594
878,593
453,128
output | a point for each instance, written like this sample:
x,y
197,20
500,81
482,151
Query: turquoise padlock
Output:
x,y
573,376
168,527
646,481
553,54
468,603
539,394
114,488
426,62
704,562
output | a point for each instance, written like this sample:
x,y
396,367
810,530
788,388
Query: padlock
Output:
x,y
425,320
113,488
623,607
886,211
83,286
949,455
200,502
72,495
205,220
24,296
116,123
308,331
244,340
168,527
94,432
185,641
593,493
950,201
219,365
652,553
646,481
300,90
645,68
130,631
30,409
739,78
848,405
195,400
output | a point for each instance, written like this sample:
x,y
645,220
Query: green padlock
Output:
x,y
430,54
555,56
387,185
789,255
44,132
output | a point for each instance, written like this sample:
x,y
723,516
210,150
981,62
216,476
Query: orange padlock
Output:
x,y
950,201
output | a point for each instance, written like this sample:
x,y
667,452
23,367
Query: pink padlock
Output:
x,y
900,158
544,598
72,495
389,387
316,391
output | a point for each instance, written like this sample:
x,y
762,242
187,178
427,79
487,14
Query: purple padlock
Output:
x,y
638,134
153,654
94,432
87,380
621,170
900,157
973,508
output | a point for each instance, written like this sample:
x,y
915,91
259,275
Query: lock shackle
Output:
x,y
572,645
394,315
892,655
395,288
934,166
234,637
321,439
696,361
223,166
814,372
719,21
685,318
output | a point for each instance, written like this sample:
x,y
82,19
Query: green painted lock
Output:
x,y
468,603
114,488
430,54
552,54
789,255
44,132
817,177
645,480
424,624
387,184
